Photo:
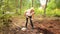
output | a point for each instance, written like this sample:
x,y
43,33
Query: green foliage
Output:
x,y
57,3
51,5
36,3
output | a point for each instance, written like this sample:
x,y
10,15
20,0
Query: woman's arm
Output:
x,y
25,14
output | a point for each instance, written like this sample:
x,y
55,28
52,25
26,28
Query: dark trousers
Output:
x,y
30,21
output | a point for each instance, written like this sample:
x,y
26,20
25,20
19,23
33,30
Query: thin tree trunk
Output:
x,y
7,5
45,8
16,6
1,6
0,3
32,3
20,6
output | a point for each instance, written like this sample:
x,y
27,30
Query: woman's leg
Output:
x,y
26,22
31,21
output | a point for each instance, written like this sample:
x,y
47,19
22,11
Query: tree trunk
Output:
x,y
32,3
45,8
7,5
20,6
0,4
16,6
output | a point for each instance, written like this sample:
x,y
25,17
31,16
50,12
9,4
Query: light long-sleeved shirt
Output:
x,y
29,13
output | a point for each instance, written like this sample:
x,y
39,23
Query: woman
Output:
x,y
29,14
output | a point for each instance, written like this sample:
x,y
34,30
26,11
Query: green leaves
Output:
x,y
57,3
51,5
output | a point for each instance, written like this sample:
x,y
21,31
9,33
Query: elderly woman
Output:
x,y
29,13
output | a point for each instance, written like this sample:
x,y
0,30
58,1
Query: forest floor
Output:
x,y
47,25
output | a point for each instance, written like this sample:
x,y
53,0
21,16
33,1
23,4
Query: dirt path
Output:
x,y
42,26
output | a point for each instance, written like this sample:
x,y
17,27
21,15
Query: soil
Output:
x,y
41,26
